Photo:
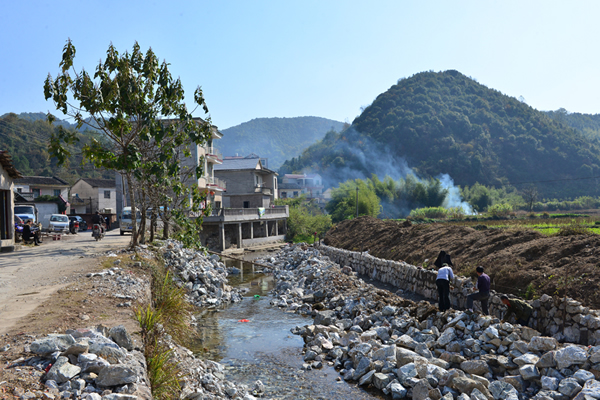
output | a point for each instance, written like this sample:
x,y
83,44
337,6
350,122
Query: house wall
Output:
x,y
44,190
104,203
238,182
7,239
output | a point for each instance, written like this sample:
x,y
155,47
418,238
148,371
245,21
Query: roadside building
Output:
x,y
8,173
91,194
32,187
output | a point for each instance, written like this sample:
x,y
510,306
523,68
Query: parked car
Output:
x,y
82,224
58,223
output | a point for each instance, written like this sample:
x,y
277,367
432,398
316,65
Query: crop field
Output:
x,y
550,225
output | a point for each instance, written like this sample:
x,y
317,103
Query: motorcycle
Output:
x,y
18,231
74,227
97,232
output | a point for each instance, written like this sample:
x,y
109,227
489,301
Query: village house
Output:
x,y
295,185
89,195
8,174
30,188
249,183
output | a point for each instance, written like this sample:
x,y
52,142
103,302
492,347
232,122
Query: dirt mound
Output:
x,y
518,261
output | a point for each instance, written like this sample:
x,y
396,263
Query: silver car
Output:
x,y
58,223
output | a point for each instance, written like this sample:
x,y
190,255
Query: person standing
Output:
x,y
483,294
444,277
519,308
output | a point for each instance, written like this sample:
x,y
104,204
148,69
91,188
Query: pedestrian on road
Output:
x,y
444,277
521,309
483,294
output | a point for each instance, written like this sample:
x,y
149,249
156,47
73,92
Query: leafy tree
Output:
x,y
530,195
306,218
343,203
126,99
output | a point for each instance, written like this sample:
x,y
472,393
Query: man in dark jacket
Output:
x,y
521,309
28,234
483,294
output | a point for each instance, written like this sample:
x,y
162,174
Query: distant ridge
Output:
x,y
277,139
447,123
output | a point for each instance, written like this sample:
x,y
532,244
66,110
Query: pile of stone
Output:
x,y
91,364
411,350
118,283
205,277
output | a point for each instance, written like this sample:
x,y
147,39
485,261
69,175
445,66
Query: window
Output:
x,y
36,192
56,192
284,195
107,194
295,194
217,204
19,190
246,204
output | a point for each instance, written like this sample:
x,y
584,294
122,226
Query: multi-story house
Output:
x,y
31,187
295,185
89,195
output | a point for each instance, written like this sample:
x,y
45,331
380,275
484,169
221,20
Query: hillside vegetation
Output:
x,y
447,123
586,124
26,140
275,138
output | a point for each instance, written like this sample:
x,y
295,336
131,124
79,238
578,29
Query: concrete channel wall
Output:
x,y
563,318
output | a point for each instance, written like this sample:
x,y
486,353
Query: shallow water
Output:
x,y
263,348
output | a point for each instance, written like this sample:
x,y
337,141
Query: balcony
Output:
x,y
261,188
213,155
213,183
247,214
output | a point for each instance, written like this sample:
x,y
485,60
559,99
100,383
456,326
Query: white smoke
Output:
x,y
453,198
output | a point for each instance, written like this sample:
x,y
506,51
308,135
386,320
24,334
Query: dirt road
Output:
x,y
31,275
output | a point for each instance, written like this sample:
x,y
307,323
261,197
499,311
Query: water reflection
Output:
x,y
263,348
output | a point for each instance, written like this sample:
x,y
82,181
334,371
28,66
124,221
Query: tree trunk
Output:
x,y
134,232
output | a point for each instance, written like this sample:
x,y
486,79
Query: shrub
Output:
x,y
574,228
456,213
429,212
501,210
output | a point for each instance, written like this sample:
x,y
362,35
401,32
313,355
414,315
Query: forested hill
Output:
x,y
587,124
277,139
26,140
447,123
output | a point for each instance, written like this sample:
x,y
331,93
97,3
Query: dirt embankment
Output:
x,y
514,259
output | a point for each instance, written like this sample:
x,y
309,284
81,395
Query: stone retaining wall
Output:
x,y
565,319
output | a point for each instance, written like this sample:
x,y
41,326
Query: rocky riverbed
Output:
x,y
411,350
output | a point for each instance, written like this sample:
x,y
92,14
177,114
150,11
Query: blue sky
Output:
x,y
321,58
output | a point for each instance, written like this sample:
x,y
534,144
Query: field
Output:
x,y
523,256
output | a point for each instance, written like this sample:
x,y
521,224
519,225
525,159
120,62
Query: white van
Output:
x,y
125,222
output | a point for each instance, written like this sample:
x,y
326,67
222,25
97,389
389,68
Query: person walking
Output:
x,y
521,309
483,294
444,277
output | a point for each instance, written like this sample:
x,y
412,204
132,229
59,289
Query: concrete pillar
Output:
x,y
276,228
222,235
267,228
240,236
251,229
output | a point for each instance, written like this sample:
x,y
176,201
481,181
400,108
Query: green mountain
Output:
x,y
587,124
275,138
447,123
26,136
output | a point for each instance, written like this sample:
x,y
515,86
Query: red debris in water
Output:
x,y
243,320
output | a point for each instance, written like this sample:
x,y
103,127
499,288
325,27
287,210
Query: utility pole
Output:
x,y
356,201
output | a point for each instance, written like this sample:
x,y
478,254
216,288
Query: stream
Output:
x,y
263,348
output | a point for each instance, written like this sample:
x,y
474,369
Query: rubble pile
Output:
x,y
118,283
411,350
205,277
91,364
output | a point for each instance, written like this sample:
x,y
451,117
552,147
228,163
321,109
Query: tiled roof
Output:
x,y
99,182
6,162
41,180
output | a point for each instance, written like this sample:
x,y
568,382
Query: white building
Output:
x,y
91,194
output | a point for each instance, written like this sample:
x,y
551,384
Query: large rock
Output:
x,y
121,337
503,391
570,355
476,367
466,385
384,353
569,387
52,343
62,370
526,359
380,380
446,337
529,372
115,375
398,391
542,343
326,317
591,389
